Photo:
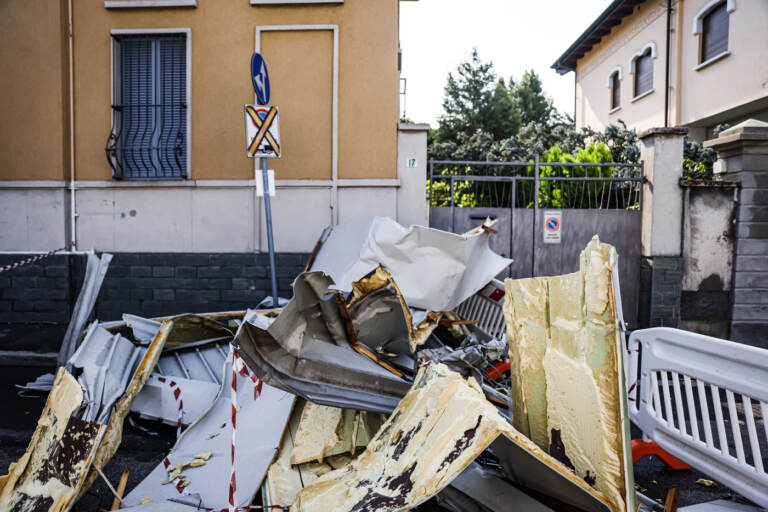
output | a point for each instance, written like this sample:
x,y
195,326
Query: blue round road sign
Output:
x,y
552,224
260,79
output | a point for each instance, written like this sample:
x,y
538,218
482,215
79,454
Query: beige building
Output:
x,y
692,63
123,123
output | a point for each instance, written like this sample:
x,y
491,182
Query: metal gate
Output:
x,y
593,199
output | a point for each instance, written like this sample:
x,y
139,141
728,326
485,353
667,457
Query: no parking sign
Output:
x,y
553,226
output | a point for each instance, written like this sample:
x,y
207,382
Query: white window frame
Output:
x,y
188,32
609,83
133,4
640,53
698,29
698,20
334,109
613,71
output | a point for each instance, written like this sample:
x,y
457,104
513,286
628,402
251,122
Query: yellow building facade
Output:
x,y
134,140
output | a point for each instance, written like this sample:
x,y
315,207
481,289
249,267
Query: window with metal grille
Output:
x,y
615,91
643,73
714,37
149,111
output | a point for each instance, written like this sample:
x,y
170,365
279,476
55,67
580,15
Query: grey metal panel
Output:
x,y
620,228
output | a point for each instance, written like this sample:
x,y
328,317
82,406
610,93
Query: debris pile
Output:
x,y
386,381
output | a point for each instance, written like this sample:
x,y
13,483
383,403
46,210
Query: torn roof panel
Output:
x,y
52,470
261,421
106,363
437,430
435,270
566,359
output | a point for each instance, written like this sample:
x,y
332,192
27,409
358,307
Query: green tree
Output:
x,y
529,99
468,99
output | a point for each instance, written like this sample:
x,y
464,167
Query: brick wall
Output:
x,y
146,284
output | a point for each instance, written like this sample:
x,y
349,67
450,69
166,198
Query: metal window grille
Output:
x,y
148,140
715,33
644,73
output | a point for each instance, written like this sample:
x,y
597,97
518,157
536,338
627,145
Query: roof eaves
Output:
x,y
609,18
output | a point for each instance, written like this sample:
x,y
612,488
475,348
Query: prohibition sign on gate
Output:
x,y
553,225
262,131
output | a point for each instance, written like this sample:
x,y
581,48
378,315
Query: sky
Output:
x,y
437,35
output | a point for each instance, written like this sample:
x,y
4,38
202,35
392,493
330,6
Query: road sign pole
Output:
x,y
270,241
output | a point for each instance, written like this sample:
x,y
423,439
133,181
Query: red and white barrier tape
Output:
x,y
31,259
177,396
180,487
238,367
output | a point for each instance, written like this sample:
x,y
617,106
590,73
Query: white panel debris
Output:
x,y
95,271
435,270
260,424
566,367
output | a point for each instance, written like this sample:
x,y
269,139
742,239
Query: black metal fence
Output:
x,y
561,185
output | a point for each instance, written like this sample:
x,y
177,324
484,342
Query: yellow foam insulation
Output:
x,y
49,474
284,480
319,432
567,393
525,306
327,431
439,427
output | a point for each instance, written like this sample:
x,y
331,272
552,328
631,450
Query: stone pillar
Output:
x,y
661,150
742,153
412,169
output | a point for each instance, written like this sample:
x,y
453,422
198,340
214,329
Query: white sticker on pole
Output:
x,y
260,183
553,226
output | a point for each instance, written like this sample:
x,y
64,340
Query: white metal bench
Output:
x,y
702,400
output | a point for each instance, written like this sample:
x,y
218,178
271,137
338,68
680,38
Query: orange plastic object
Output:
x,y
496,371
642,448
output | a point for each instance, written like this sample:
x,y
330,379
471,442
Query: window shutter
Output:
x,y
615,91
135,101
151,115
643,74
714,33
173,98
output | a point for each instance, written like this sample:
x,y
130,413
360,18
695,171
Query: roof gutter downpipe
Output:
x,y
666,64
72,182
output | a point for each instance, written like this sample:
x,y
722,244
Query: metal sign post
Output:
x,y
262,132
270,242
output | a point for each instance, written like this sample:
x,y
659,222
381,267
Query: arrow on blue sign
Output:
x,y
260,79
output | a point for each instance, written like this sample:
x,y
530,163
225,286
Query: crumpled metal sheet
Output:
x,y
95,271
106,363
566,367
435,270
52,470
437,430
114,433
307,350
260,425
